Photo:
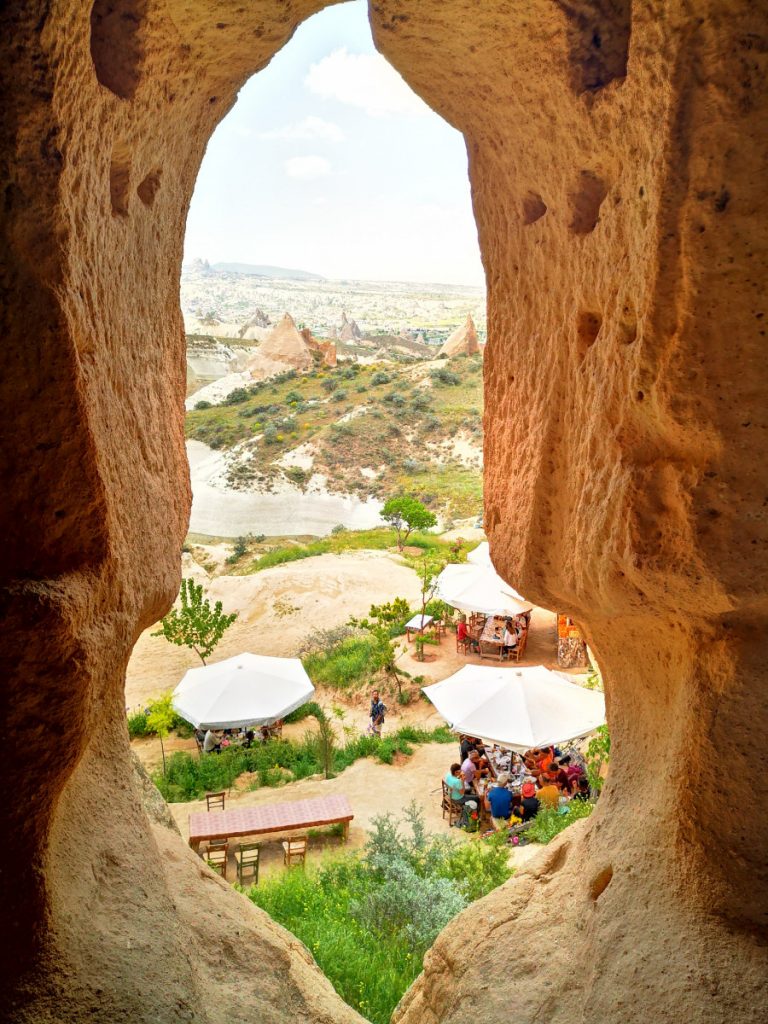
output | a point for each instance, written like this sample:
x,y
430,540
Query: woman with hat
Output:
x,y
529,804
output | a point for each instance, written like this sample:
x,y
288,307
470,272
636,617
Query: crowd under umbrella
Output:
x,y
478,588
520,708
249,689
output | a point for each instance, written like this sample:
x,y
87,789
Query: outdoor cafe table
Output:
x,y
417,624
492,638
252,821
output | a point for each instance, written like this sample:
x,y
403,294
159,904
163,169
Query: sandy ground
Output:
x,y
286,510
372,789
277,608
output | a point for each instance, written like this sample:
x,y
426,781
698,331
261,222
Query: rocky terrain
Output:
x,y
220,303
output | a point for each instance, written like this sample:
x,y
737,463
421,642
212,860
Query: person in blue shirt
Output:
x,y
498,801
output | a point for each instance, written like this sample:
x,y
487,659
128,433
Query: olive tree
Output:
x,y
405,515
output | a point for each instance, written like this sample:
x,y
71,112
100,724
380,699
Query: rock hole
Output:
x,y
117,47
598,34
120,179
587,329
586,200
640,396
628,325
600,883
147,190
534,208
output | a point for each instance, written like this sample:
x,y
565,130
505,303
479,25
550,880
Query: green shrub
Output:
x,y
137,725
237,396
380,377
202,404
369,919
549,823
445,376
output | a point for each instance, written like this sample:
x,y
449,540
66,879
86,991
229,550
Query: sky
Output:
x,y
328,162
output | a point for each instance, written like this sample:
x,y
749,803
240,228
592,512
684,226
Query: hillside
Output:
x,y
369,431
263,270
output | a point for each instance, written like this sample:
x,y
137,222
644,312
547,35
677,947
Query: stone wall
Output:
x,y
617,161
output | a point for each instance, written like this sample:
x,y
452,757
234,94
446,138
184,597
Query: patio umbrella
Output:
x,y
520,708
250,689
474,588
481,555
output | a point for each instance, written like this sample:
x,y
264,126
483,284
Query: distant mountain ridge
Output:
x,y
263,270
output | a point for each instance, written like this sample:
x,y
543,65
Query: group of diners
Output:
x,y
505,634
512,787
213,741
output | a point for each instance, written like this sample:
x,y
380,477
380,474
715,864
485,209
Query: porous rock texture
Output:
x,y
618,163
616,154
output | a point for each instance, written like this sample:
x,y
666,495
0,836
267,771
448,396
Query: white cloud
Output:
x,y
365,81
307,167
309,128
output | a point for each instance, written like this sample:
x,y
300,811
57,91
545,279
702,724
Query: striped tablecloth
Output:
x,y
284,817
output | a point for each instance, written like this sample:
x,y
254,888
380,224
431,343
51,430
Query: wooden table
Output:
x,y
492,638
252,821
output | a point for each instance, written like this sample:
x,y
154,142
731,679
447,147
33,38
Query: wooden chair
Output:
x,y
295,850
519,651
214,801
247,857
450,805
216,856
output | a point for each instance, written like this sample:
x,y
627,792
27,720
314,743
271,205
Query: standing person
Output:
x,y
378,710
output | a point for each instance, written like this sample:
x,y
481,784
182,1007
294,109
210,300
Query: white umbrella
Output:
x,y
473,588
481,555
520,708
250,689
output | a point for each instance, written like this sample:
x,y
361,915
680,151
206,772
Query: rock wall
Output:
x,y
617,158
617,163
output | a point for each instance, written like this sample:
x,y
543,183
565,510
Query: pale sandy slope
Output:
x,y
277,608
218,511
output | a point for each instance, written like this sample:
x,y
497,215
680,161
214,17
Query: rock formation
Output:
x,y
284,348
325,349
348,329
616,156
256,327
463,341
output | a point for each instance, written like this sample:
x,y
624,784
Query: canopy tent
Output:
x,y
250,689
474,588
481,555
519,708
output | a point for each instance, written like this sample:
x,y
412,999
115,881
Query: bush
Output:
x,y
339,528
202,404
270,434
137,725
549,823
395,398
380,377
237,396
340,395
329,384
369,919
445,376
239,548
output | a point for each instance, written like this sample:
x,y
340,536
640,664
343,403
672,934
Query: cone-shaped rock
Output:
x,y
463,341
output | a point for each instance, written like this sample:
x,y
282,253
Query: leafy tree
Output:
x,y
405,515
428,571
195,625
161,719
598,754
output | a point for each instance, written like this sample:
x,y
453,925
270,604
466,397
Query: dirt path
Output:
x,y
277,609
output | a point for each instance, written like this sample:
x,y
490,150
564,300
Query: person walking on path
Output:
x,y
378,710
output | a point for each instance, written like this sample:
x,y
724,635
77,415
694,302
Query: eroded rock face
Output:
x,y
616,158
617,171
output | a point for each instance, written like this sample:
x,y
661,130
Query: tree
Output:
x,y
407,514
195,625
160,720
428,570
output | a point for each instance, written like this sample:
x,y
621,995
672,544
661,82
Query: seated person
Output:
x,y
466,743
469,770
455,783
509,641
554,775
498,800
529,802
264,734
516,811
250,735
462,633
548,794
211,742
582,792
483,766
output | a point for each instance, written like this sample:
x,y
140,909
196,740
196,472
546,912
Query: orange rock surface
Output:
x,y
617,160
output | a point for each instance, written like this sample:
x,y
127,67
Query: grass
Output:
x,y
548,823
381,539
369,919
278,415
189,777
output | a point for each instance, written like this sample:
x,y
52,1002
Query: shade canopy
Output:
x,y
481,555
250,689
476,588
520,708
